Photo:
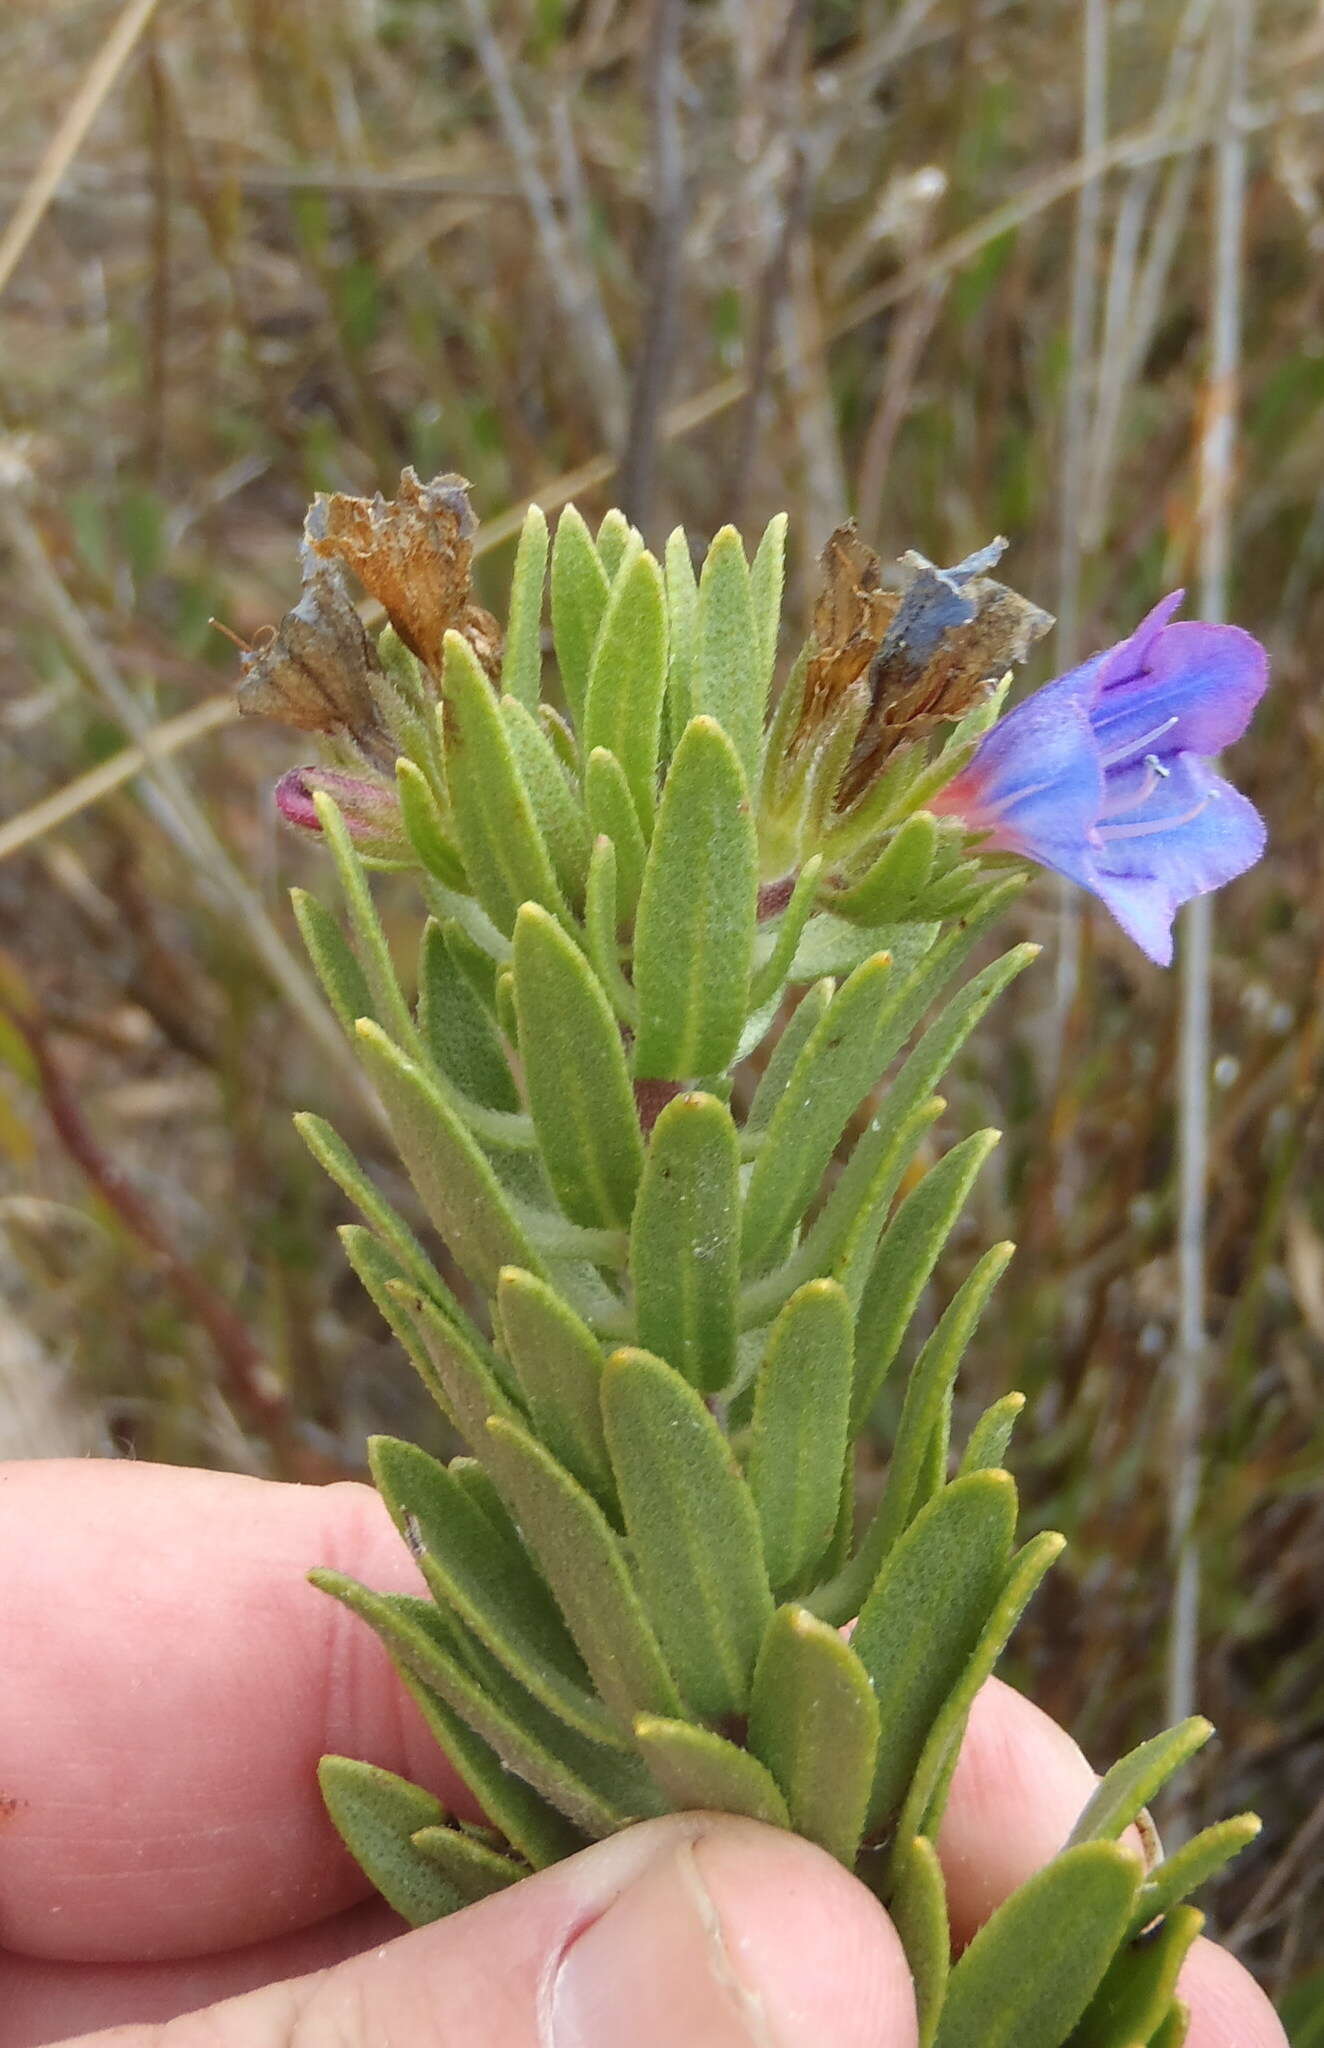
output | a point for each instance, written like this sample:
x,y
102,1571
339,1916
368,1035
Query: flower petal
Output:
x,y
1201,682
1192,833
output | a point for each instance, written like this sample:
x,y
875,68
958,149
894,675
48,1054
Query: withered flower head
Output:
x,y
413,553
851,616
950,633
315,671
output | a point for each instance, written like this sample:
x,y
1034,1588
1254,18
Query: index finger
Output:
x,y
172,1682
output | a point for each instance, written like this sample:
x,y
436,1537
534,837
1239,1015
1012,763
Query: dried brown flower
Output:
x,y
315,672
413,553
851,616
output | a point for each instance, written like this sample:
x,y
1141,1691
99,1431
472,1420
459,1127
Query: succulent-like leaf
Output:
x,y
580,588
693,1528
1139,1986
586,1569
767,574
374,953
696,1768
813,1720
457,1030
557,807
1031,1970
918,1909
1127,1789
420,814
785,1055
895,882
558,1363
575,1072
338,1162
906,1257
601,923
469,1866
486,1576
615,539
799,1441
1175,2026
771,975
338,970
683,620
991,1434
388,1286
627,679
521,659
471,1389
925,1615
611,814
730,677
1187,1868
455,1183
837,1064
504,852
598,1789
685,1241
695,930
376,1815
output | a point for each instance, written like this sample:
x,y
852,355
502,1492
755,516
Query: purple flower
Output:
x,y
370,808
1104,776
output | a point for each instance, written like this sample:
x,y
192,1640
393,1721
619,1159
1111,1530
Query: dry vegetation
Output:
x,y
833,257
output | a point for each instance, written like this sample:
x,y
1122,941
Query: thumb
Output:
x,y
693,1932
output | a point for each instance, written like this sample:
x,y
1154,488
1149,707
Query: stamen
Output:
x,y
1131,748
1151,825
1155,771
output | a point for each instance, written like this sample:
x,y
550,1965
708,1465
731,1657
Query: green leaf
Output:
x,y
598,1789
375,956
376,1269
612,815
421,816
991,1435
627,679
785,1055
585,1565
557,807
504,852
918,1910
799,1441
730,679
376,1815
458,1033
1139,1986
813,1721
770,977
558,1363
580,588
1173,2030
766,577
1127,1789
927,1404
685,1241
924,1617
614,537
521,660
894,884
575,1072
485,1575
927,1796
683,637
601,923
342,978
837,1065
698,1770
474,1870
693,1528
906,1257
1032,1969
455,1183
695,930
470,1388
336,1160
1191,1866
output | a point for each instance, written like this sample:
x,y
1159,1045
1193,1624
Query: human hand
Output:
x,y
171,1684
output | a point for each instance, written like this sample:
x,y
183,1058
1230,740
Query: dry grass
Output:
x,y
819,253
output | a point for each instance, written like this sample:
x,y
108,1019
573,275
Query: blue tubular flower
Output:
x,y
1103,775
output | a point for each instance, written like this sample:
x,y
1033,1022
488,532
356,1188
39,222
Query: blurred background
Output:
x,y
956,267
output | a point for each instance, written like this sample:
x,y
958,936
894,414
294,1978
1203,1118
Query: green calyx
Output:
x,y
686,1279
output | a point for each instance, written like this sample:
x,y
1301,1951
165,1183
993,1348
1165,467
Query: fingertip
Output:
x,y
1227,2007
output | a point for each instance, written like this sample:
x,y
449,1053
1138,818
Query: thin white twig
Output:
x,y
1191,1361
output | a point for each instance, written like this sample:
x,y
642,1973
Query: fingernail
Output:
x,y
697,1952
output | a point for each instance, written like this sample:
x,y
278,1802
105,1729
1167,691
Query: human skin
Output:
x,y
172,1681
